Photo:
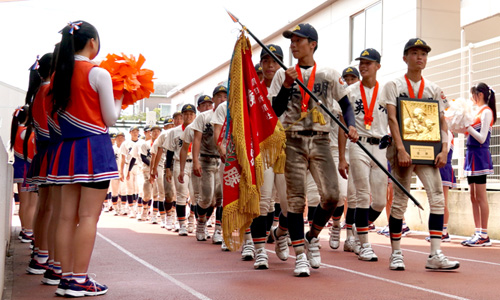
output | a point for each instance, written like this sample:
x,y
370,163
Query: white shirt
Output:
x,y
203,124
220,114
174,142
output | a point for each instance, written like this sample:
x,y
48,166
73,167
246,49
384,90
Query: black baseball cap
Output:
x,y
275,49
176,114
201,99
112,135
168,121
188,107
120,134
417,43
350,71
133,127
148,128
155,126
218,89
304,30
369,54
258,68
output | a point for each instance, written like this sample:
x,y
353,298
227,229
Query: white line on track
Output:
x,y
389,281
454,257
156,270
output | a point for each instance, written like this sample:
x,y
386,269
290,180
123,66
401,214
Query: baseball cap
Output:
x,y
219,88
201,99
417,43
148,128
369,54
275,49
258,68
350,71
120,134
168,121
304,30
112,135
188,107
134,127
176,114
155,126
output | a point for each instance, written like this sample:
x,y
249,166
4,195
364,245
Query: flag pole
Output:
x,y
325,109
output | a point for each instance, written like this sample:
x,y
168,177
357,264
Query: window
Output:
x,y
366,30
165,110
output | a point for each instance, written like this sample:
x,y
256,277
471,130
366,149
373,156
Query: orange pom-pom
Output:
x,y
129,80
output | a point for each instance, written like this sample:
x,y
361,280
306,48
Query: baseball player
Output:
x,y
142,205
371,123
173,144
350,75
129,174
116,183
413,85
308,143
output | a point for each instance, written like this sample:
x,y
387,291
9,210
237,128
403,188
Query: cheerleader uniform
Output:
x,y
478,157
42,136
55,138
86,153
21,166
447,175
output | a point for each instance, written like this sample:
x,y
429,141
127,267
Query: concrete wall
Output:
x,y
10,98
461,220
6,176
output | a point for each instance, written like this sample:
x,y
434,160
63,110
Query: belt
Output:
x,y
311,132
370,140
208,155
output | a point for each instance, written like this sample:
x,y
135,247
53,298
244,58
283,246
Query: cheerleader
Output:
x,y
84,162
27,199
478,163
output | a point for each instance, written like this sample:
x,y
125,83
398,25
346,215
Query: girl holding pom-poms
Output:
x,y
478,163
84,162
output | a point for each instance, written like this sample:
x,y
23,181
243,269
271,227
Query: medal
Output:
x,y
310,85
368,110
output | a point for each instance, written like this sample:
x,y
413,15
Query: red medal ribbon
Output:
x,y
420,90
310,84
368,111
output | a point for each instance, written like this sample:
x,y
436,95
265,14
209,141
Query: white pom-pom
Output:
x,y
459,115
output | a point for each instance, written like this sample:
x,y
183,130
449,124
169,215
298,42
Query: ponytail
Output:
x,y
74,38
20,116
34,82
489,97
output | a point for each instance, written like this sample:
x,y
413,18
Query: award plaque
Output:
x,y
420,129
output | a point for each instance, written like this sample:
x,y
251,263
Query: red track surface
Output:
x,y
143,261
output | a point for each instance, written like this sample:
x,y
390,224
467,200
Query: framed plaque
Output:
x,y
420,128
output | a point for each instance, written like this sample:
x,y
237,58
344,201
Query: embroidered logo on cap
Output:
x,y
188,107
272,49
206,98
365,53
222,88
296,28
419,42
349,70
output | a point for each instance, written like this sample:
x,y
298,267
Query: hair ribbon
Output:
x,y
18,110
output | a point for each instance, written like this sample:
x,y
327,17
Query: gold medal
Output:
x,y
368,126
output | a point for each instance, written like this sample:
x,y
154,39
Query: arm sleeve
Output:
x,y
131,165
170,158
100,80
347,111
145,159
280,102
480,136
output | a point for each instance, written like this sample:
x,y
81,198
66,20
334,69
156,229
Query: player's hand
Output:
x,y
196,168
290,76
353,134
343,168
440,160
128,176
121,176
181,177
222,152
168,175
404,159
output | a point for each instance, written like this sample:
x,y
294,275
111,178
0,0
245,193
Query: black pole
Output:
x,y
346,130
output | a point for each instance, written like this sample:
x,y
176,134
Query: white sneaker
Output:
x,y
217,238
183,230
281,245
367,253
223,246
200,232
312,251
207,233
209,222
170,223
302,266
248,251
357,246
396,261
440,262
132,215
154,220
349,244
162,224
190,227
176,226
261,260
334,237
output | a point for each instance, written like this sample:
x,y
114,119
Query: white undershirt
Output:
x,y
486,118
100,81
